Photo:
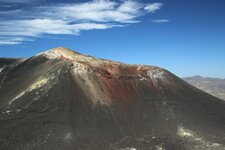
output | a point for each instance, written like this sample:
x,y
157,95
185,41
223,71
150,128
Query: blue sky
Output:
x,y
187,37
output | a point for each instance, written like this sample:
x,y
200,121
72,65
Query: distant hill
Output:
x,y
213,86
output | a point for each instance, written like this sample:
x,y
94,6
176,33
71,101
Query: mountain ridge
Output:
x,y
67,100
213,86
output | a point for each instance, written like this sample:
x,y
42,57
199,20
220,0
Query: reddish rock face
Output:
x,y
61,99
107,81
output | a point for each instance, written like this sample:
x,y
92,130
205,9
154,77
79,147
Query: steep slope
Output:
x,y
64,100
213,86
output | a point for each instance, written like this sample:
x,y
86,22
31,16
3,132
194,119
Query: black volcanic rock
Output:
x,y
63,100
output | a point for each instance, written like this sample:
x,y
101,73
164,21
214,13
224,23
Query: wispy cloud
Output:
x,y
99,11
160,20
70,19
37,27
13,40
153,7
17,1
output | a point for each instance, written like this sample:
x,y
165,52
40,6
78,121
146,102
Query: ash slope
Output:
x,y
64,100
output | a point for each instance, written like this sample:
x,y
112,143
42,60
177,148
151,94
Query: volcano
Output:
x,y
64,100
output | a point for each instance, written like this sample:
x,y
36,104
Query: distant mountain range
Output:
x,y
64,100
213,86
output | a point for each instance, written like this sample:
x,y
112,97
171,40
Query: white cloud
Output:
x,y
17,1
70,19
152,7
13,40
100,11
161,20
38,27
